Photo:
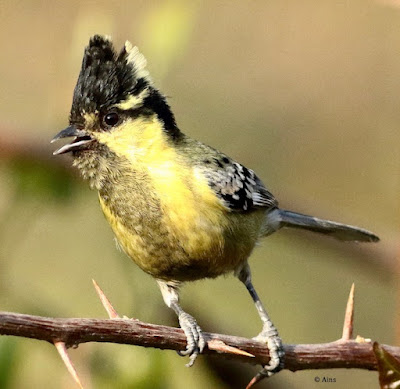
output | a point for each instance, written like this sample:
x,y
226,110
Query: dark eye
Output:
x,y
111,119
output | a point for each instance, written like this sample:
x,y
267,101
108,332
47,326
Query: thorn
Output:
x,y
347,333
257,378
220,346
62,350
112,313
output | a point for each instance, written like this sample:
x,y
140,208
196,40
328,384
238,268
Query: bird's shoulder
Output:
x,y
238,187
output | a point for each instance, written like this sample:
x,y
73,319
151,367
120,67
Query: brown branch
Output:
x,y
72,332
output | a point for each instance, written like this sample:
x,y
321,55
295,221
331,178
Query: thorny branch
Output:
x,y
64,333
72,332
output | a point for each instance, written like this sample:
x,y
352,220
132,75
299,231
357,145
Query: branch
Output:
x,y
64,333
72,332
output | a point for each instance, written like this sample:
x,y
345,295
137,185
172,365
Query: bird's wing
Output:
x,y
237,187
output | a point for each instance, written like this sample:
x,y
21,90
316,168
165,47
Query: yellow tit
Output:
x,y
181,210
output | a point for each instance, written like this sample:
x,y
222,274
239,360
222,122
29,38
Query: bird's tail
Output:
x,y
281,218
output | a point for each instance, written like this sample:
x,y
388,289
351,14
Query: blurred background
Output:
x,y
304,92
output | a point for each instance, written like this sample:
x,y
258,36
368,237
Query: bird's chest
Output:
x,y
165,220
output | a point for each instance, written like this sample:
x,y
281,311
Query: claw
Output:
x,y
276,352
194,336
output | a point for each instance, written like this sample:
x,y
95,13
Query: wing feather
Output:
x,y
238,187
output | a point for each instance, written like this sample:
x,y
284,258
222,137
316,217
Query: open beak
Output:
x,y
80,142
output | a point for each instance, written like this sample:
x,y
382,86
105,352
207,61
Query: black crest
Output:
x,y
107,79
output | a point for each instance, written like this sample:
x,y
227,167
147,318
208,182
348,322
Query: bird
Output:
x,y
181,210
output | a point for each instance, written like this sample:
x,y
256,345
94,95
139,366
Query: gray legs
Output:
x,y
195,339
194,335
269,333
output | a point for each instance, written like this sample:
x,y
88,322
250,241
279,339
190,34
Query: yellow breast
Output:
x,y
193,222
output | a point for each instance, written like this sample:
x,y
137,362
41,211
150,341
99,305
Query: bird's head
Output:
x,y
114,102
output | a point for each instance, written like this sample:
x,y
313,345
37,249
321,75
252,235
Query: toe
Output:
x,y
202,342
194,336
276,352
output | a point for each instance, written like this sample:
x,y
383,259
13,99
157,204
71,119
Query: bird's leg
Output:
x,y
194,335
269,333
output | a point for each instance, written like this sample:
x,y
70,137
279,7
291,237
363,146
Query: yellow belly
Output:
x,y
195,249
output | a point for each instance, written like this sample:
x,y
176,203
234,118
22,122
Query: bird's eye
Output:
x,y
111,119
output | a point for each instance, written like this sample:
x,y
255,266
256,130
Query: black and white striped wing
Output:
x,y
238,187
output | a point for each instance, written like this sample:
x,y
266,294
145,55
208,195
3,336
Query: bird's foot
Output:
x,y
270,337
194,336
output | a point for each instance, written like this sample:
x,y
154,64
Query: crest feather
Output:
x,y
137,60
109,79
117,80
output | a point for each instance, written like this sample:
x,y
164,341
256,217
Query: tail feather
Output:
x,y
337,230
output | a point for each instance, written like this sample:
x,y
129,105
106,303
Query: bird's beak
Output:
x,y
80,142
